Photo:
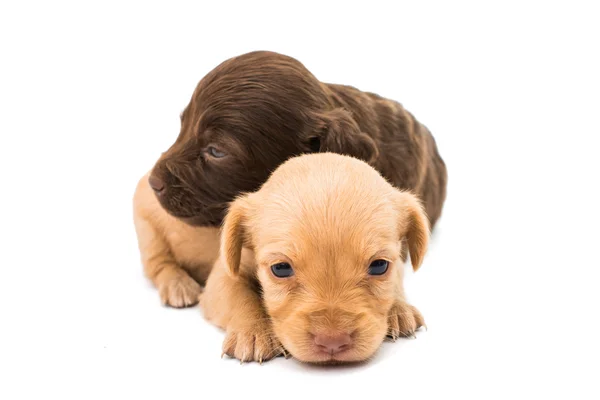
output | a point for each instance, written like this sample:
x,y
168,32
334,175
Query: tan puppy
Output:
x,y
321,272
176,256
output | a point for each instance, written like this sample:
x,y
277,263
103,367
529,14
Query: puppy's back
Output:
x,y
409,155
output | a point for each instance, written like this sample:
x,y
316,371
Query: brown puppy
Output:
x,y
322,271
245,118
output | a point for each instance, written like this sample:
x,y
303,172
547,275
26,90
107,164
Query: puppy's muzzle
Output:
x,y
332,330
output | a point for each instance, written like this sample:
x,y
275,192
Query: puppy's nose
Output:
x,y
156,183
333,344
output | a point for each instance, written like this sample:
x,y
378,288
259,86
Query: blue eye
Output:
x,y
378,267
215,153
282,270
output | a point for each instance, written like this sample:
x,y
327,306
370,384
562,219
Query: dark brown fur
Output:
x,y
262,108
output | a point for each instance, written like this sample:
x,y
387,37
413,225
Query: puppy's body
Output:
x,y
252,113
328,217
176,256
407,154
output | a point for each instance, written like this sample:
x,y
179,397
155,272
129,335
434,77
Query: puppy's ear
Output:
x,y
337,132
233,235
413,226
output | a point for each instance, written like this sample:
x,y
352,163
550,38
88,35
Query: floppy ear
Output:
x,y
233,234
338,132
413,226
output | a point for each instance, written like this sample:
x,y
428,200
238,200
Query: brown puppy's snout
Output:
x,y
333,343
157,184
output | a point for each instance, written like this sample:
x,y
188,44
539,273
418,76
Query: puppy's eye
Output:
x,y
282,270
215,153
378,267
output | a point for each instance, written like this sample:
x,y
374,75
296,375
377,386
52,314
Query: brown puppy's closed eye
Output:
x,y
312,263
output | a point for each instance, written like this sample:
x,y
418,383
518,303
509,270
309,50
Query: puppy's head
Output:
x,y
245,118
327,231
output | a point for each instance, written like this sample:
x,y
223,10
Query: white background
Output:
x,y
90,95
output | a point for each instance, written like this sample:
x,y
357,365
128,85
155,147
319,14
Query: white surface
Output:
x,y
90,96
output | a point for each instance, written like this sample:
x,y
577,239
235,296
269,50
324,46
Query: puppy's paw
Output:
x,y
252,343
404,320
180,291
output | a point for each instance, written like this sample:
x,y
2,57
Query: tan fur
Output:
x,y
329,216
177,257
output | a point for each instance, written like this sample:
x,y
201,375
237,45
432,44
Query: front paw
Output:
x,y
252,343
404,320
180,291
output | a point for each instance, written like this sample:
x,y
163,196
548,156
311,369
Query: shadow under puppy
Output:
x,y
312,263
246,117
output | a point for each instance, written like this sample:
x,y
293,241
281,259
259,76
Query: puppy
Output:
x,y
245,118
312,263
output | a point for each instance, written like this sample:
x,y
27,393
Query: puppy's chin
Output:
x,y
201,220
201,216
349,356
198,219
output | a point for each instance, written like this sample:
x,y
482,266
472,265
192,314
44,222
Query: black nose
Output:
x,y
156,183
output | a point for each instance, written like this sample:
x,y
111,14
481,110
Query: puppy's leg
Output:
x,y
233,304
403,320
175,286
